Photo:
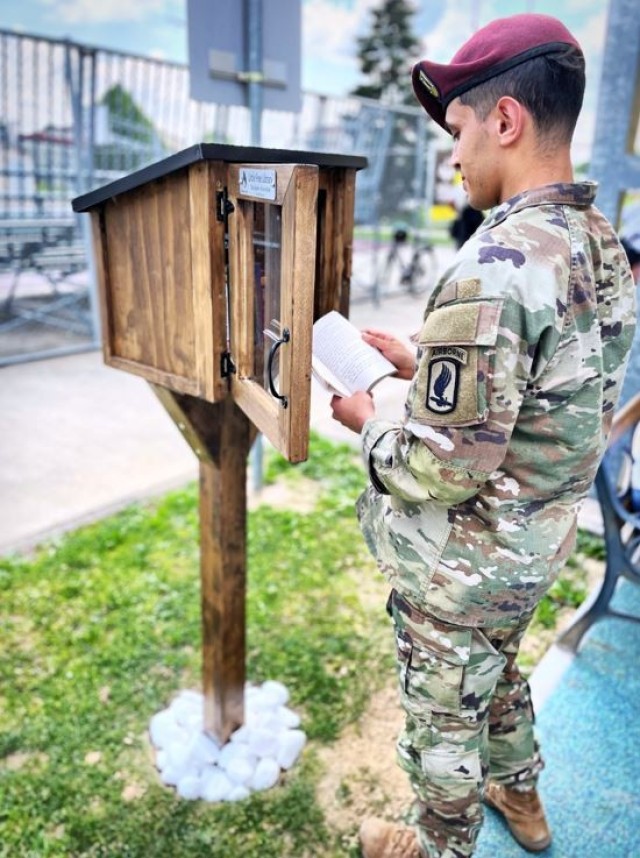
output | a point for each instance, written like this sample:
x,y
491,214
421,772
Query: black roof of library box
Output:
x,y
212,152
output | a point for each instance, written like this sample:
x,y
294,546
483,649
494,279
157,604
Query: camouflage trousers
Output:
x,y
468,717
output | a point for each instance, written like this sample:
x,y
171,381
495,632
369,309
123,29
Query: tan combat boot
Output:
x,y
524,814
380,839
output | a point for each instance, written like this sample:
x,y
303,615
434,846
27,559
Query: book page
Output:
x,y
338,348
327,379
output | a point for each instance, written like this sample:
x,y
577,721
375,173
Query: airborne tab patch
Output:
x,y
452,352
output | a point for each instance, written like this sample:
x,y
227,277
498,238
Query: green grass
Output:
x,y
570,589
102,628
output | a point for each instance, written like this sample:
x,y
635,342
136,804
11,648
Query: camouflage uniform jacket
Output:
x,y
472,503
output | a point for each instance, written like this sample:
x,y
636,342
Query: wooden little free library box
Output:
x,y
212,266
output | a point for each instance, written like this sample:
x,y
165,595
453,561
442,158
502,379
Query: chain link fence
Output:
x,y
74,117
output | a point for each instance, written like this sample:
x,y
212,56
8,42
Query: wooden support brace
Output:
x,y
221,436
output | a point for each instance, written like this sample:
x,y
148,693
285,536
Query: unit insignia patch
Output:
x,y
444,378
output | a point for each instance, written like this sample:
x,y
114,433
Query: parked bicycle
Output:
x,y
406,265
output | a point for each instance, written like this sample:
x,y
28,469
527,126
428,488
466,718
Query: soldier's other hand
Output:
x,y
353,411
393,349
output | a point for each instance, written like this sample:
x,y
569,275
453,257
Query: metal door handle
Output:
x,y
286,336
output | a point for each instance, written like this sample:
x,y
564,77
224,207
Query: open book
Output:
x,y
341,360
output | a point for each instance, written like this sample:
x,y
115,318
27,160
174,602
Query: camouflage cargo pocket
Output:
x,y
431,661
455,372
448,764
481,676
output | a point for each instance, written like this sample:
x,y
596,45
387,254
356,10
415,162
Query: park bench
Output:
x,y
621,524
51,249
57,263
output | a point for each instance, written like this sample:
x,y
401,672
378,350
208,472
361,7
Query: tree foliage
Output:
x,y
125,117
133,140
386,53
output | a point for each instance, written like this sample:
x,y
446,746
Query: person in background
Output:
x,y
473,494
465,224
631,247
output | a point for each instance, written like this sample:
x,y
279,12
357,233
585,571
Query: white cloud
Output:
x,y
330,31
103,11
591,35
582,6
329,48
453,28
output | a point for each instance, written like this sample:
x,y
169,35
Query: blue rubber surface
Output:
x,y
589,731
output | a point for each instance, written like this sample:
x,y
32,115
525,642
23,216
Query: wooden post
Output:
x,y
221,436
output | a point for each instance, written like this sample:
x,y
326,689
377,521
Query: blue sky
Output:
x,y
329,31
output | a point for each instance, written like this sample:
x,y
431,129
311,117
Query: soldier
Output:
x,y
471,506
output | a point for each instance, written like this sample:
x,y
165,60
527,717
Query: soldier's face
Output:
x,y
475,155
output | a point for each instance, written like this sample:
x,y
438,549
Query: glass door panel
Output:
x,y
272,273
267,322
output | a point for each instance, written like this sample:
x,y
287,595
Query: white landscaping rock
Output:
x,y
276,690
263,743
216,787
170,775
252,760
241,735
240,770
164,729
235,751
266,774
205,749
289,747
288,717
189,787
178,754
238,793
162,760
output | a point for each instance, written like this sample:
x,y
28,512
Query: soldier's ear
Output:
x,y
510,118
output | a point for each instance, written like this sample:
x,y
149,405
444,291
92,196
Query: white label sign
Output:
x,y
258,183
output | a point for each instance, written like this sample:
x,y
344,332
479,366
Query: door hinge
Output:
x,y
224,206
227,366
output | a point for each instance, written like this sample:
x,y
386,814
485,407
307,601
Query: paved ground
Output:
x,y
589,732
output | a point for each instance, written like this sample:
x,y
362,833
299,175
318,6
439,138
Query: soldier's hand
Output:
x,y
353,411
393,349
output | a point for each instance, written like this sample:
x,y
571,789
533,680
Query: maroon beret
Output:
x,y
501,45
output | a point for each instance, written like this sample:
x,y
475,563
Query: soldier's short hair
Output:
x,y
551,87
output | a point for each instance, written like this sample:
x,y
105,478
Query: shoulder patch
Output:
x,y
444,379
